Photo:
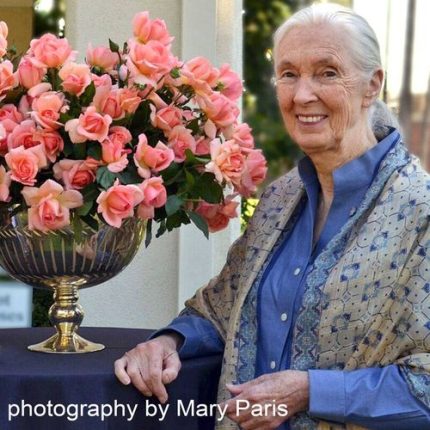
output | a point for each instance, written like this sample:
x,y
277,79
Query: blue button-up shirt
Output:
x,y
359,396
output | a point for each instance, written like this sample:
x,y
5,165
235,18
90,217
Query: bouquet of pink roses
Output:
x,y
132,132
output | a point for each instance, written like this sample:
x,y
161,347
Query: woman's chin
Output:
x,y
313,144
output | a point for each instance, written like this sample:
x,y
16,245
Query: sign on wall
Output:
x,y
15,304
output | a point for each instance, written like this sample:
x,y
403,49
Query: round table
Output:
x,y
64,391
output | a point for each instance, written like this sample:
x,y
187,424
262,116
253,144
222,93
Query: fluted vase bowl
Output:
x,y
65,261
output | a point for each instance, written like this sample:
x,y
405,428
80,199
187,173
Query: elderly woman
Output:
x,y
323,306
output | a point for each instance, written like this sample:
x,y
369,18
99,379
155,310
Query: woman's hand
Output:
x,y
151,365
269,396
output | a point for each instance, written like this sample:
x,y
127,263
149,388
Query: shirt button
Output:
x,y
352,211
297,271
284,317
272,364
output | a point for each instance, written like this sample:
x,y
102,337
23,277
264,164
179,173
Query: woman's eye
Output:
x,y
329,74
287,74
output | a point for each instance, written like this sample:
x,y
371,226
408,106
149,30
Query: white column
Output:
x,y
151,290
212,29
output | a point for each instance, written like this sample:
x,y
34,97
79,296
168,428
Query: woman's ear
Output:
x,y
373,87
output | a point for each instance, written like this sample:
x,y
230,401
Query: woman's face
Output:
x,y
322,95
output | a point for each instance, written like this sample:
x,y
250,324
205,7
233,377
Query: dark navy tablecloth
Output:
x,y
73,389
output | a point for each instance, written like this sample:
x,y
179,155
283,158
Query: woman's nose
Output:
x,y
304,91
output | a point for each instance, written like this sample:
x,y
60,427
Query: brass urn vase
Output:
x,y
64,261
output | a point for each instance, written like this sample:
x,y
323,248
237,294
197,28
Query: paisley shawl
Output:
x,y
367,296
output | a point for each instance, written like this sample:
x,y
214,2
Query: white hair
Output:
x,y
364,48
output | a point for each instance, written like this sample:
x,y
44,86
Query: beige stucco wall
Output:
x,y
18,14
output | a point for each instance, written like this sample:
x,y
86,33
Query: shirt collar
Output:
x,y
355,174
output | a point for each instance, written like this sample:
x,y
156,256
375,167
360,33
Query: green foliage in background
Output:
x,y
260,104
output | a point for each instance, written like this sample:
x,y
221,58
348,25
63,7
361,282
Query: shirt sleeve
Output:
x,y
200,337
376,398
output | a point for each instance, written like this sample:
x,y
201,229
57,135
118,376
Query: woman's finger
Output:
x,y
120,371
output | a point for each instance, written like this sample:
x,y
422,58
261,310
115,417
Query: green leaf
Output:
x,y
192,159
174,73
91,222
113,46
175,220
85,208
207,188
105,178
64,117
171,174
190,179
199,222
94,150
161,229
80,151
68,148
88,95
141,117
148,235
194,126
90,192
173,204
129,176
77,228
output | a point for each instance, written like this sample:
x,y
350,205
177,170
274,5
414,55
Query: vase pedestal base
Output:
x,y
73,344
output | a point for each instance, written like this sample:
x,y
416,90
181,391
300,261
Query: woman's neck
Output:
x,y
326,162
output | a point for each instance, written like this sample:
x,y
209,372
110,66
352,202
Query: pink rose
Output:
x,y
3,46
3,133
148,158
114,155
243,137
145,212
218,216
253,174
10,117
24,135
46,109
50,51
52,142
219,109
181,139
200,74
29,74
76,174
89,126
3,29
101,57
101,81
202,146
145,30
75,77
227,161
118,202
3,35
107,101
166,118
231,84
50,205
5,182
129,99
154,196
148,62
119,135
123,72
25,163
8,78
